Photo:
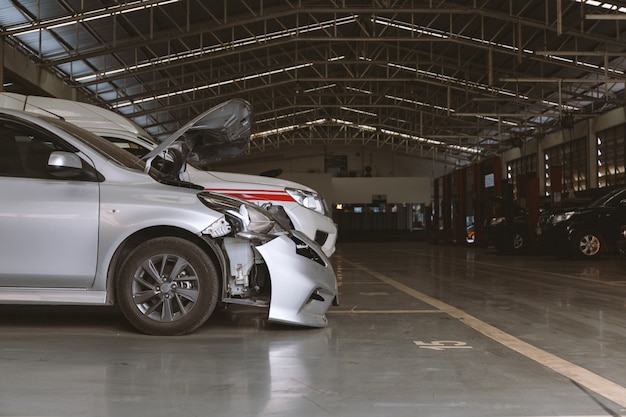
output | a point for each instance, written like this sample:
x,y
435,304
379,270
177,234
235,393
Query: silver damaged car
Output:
x,y
85,222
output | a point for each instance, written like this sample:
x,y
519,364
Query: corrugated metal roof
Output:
x,y
464,77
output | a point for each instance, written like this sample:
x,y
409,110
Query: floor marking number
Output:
x,y
442,345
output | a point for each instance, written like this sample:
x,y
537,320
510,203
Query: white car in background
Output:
x,y
305,208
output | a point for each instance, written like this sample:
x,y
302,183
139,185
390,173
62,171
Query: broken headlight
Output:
x,y
245,219
308,199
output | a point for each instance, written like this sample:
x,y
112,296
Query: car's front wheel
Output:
x,y
167,286
519,240
587,245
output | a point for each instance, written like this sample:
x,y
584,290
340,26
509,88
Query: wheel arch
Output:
x,y
208,245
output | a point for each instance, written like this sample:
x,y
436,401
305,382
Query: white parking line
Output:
x,y
577,374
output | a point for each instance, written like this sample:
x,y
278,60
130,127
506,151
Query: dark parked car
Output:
x,y
505,237
586,231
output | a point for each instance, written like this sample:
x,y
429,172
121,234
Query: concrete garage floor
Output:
x,y
422,330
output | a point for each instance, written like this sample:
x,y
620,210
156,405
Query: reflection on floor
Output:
x,y
422,330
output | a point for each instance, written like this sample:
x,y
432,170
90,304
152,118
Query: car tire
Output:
x,y
518,242
167,286
587,245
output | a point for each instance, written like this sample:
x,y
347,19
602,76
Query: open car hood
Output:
x,y
223,130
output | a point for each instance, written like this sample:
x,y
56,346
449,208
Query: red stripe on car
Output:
x,y
254,195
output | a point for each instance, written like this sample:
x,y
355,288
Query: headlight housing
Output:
x,y
308,199
497,220
561,217
245,219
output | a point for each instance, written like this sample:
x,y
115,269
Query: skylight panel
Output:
x,y
367,128
353,110
226,46
88,16
213,85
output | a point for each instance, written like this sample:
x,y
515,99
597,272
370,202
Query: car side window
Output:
x,y
24,151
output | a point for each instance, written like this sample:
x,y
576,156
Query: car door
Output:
x,y
620,216
610,217
48,225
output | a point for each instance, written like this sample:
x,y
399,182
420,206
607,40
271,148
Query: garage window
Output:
x,y
571,157
611,156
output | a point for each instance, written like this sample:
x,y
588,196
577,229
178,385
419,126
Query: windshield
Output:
x,y
118,155
102,146
609,199
129,146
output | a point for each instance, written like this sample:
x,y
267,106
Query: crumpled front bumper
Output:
x,y
303,281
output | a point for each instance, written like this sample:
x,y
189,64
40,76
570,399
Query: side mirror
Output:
x,y
68,165
61,159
